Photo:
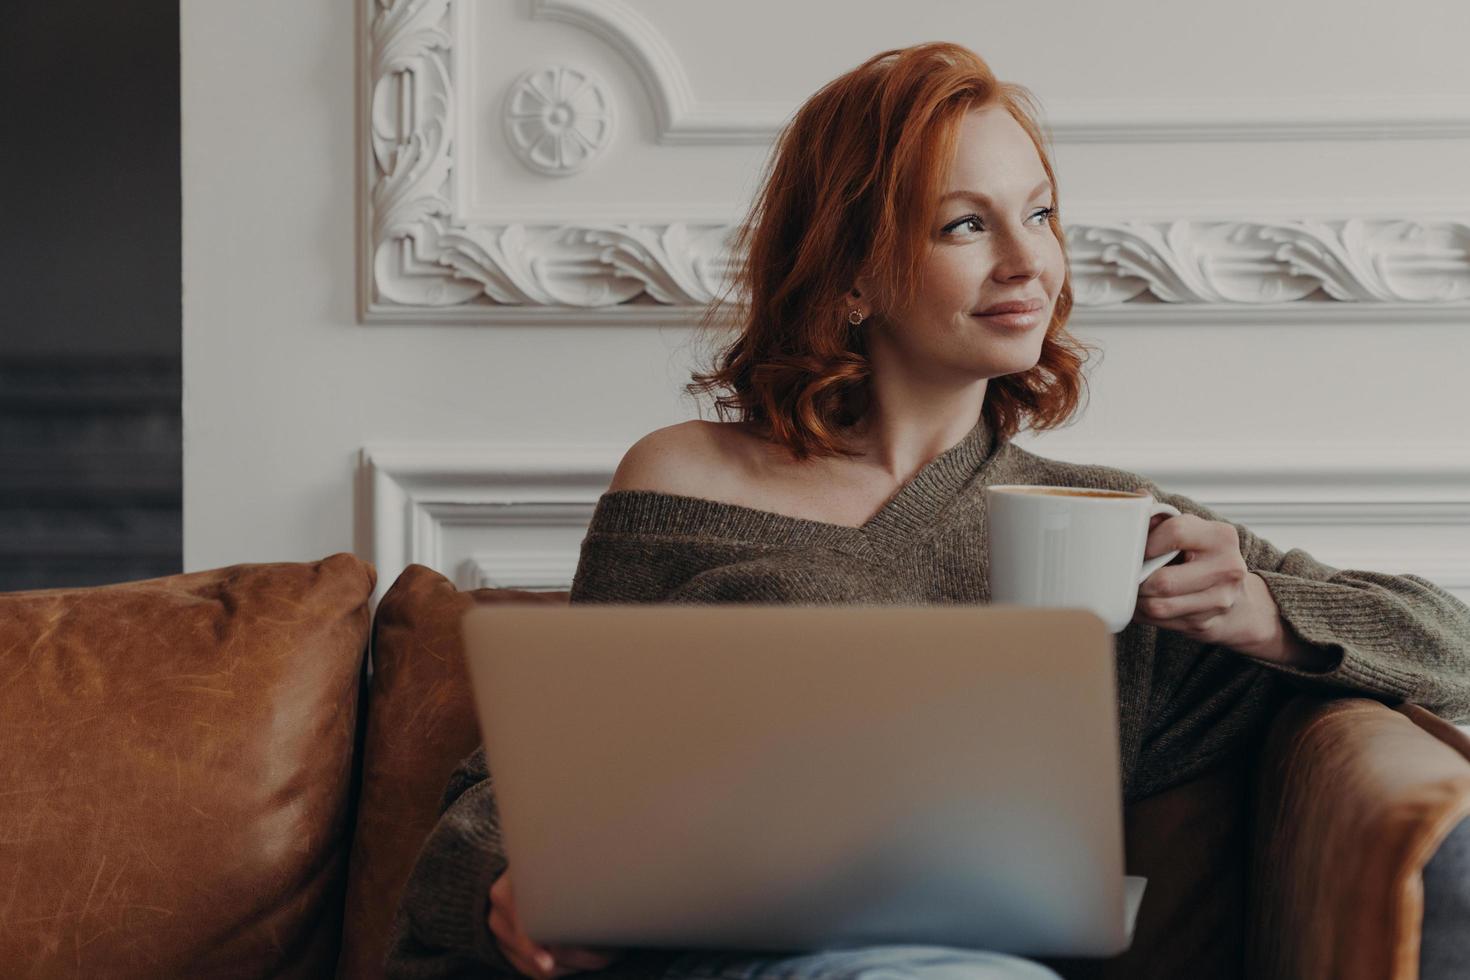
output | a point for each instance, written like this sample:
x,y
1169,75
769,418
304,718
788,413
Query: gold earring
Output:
x,y
855,317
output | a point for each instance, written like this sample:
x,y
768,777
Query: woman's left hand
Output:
x,y
1206,593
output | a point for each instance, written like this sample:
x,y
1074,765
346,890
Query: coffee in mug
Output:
x,y
1071,547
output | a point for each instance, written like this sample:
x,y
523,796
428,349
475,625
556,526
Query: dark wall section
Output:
x,y
90,325
90,226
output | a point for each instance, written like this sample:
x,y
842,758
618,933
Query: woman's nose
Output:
x,y
1020,253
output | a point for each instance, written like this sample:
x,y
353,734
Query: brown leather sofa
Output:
x,y
198,779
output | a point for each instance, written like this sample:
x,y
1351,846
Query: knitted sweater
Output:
x,y
1183,706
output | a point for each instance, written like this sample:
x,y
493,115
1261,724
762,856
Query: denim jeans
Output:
x,y
890,962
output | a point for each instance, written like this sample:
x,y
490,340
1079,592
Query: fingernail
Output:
x,y
546,961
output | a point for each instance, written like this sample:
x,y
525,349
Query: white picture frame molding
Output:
x,y
421,261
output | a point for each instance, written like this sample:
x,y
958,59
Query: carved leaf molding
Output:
x,y
424,261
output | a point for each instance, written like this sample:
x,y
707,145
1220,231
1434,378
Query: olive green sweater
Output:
x,y
1182,706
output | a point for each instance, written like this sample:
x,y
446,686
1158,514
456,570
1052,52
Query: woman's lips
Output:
x,y
1019,321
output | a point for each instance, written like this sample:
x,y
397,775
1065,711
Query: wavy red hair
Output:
x,y
852,189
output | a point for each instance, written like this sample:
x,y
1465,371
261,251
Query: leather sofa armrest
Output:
x,y
1351,801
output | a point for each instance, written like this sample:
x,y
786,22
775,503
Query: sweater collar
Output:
x,y
916,507
910,512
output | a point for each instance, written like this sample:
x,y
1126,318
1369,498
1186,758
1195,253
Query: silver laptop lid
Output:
x,y
806,777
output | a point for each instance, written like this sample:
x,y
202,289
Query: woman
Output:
x,y
878,379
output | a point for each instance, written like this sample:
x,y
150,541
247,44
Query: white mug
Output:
x,y
1071,547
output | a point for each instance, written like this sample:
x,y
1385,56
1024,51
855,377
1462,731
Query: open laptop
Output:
x,y
807,777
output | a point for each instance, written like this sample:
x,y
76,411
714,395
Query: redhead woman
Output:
x,y
901,308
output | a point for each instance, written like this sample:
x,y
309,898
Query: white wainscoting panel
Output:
x,y
507,516
513,516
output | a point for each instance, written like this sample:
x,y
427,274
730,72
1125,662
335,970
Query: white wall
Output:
x,y
1338,427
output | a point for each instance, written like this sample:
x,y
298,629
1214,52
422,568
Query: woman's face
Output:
x,y
990,243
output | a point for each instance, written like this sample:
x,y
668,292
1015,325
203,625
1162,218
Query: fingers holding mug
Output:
x,y
1158,549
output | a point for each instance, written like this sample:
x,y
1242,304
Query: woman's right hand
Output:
x,y
540,962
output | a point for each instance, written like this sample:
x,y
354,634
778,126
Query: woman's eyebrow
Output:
x,y
981,198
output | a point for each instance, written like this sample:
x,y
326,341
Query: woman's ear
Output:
x,y
861,292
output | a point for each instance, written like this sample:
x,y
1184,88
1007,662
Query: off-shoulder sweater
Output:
x,y
1183,706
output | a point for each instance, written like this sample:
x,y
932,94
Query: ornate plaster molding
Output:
x,y
683,119
1351,260
679,117
557,119
422,263
419,495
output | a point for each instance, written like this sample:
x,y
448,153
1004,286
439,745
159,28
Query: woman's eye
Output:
x,y
973,221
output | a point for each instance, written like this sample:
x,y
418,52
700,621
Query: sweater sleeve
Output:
x,y
441,928
1394,637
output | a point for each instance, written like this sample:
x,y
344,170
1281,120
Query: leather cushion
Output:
x,y
1353,800
175,771
1444,942
421,724
1190,843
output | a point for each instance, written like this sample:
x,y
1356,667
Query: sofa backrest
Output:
x,y
176,771
421,724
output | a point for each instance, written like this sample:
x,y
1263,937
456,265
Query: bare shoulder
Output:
x,y
687,458
729,463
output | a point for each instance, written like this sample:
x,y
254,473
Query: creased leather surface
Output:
x,y
1432,723
1353,800
421,724
175,771
1189,842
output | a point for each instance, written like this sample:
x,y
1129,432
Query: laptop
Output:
x,y
796,778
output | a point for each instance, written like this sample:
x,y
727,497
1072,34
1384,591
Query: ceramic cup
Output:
x,y
1071,547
